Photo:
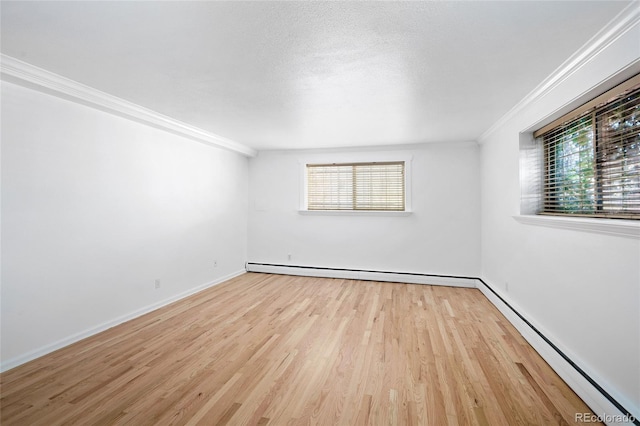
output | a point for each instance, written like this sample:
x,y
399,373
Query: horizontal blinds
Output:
x,y
330,187
592,162
356,186
618,155
604,98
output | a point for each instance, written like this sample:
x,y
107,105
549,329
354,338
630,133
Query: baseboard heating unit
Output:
x,y
366,275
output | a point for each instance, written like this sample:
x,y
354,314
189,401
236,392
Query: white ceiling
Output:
x,y
279,75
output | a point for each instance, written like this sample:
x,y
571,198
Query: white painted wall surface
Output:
x,y
95,208
441,236
581,289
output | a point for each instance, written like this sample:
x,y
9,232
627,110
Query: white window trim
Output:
x,y
356,158
616,227
530,197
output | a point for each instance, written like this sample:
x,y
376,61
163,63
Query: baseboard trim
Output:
x,y
44,350
361,274
609,410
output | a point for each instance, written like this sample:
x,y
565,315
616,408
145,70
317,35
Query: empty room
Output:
x,y
314,212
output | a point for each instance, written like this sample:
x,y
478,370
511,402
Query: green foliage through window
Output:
x,y
592,163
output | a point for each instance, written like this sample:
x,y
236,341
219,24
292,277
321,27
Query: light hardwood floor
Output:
x,y
271,349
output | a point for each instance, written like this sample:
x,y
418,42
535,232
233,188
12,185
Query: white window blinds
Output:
x,y
356,186
592,160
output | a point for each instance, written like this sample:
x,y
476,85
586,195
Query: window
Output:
x,y
378,186
591,164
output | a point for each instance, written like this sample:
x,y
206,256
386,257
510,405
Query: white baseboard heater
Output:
x,y
366,275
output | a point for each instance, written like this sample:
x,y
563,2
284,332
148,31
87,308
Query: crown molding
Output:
x,y
623,22
367,148
24,74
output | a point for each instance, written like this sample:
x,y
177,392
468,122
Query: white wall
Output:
x,y
95,208
441,236
581,289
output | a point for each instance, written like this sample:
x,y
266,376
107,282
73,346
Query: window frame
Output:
x,y
356,159
591,109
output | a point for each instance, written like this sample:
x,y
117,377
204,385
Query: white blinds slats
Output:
x,y
356,186
592,162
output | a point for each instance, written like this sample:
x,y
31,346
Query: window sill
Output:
x,y
617,227
353,213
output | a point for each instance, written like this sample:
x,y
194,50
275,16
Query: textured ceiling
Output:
x,y
275,75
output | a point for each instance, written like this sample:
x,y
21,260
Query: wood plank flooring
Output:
x,y
270,349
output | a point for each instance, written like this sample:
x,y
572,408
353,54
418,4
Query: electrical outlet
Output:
x,y
157,284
